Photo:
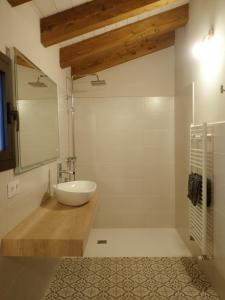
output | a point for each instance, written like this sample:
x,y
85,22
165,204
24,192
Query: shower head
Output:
x,y
38,83
98,82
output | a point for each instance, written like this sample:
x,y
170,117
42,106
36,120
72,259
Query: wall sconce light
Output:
x,y
206,48
209,53
222,89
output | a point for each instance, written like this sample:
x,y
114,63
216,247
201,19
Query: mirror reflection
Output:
x,y
37,103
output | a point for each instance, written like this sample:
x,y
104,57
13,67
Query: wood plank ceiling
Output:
x,y
124,44
92,15
155,30
17,2
121,54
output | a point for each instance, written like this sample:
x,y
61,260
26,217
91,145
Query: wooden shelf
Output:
x,y
52,230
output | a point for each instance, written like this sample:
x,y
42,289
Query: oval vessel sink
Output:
x,y
74,193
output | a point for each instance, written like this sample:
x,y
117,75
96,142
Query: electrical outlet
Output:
x,y
13,188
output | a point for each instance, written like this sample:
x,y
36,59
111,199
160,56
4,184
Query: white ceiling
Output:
x,y
49,7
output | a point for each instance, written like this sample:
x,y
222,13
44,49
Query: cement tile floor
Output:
x,y
129,279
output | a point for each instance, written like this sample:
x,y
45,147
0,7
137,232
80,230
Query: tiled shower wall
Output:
x,y
127,146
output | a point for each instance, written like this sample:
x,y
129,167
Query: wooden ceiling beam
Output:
x,y
17,2
122,54
124,37
92,15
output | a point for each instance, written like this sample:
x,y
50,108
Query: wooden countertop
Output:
x,y
52,230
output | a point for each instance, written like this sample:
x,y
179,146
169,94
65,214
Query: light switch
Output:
x,y
13,188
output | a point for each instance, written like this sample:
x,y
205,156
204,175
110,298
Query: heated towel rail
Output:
x,y
201,162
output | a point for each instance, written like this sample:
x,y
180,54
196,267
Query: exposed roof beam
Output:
x,y
122,54
17,2
123,38
22,62
92,15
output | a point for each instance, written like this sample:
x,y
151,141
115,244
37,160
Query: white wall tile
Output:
x,y
130,158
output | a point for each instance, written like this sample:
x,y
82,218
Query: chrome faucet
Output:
x,y
60,172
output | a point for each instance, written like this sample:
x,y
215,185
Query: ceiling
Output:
x,y
50,7
94,35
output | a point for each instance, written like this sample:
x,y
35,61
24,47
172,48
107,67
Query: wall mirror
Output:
x,y
37,104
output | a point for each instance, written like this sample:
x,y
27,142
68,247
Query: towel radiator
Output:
x,y
201,162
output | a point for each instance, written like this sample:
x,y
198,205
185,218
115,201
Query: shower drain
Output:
x,y
102,242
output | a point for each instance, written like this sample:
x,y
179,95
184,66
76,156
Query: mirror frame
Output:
x,y
14,52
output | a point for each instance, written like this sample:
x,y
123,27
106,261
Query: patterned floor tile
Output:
x,y
129,279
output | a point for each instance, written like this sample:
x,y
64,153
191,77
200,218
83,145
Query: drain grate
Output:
x,y
102,242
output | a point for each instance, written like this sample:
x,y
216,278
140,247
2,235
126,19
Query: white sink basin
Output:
x,y
74,193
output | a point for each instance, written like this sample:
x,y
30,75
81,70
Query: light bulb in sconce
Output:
x,y
207,48
209,52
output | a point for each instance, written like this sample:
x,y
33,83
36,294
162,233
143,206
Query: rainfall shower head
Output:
x,y
38,83
98,82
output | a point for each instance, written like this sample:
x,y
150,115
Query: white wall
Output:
x,y
126,146
19,27
124,141
207,76
149,76
209,106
